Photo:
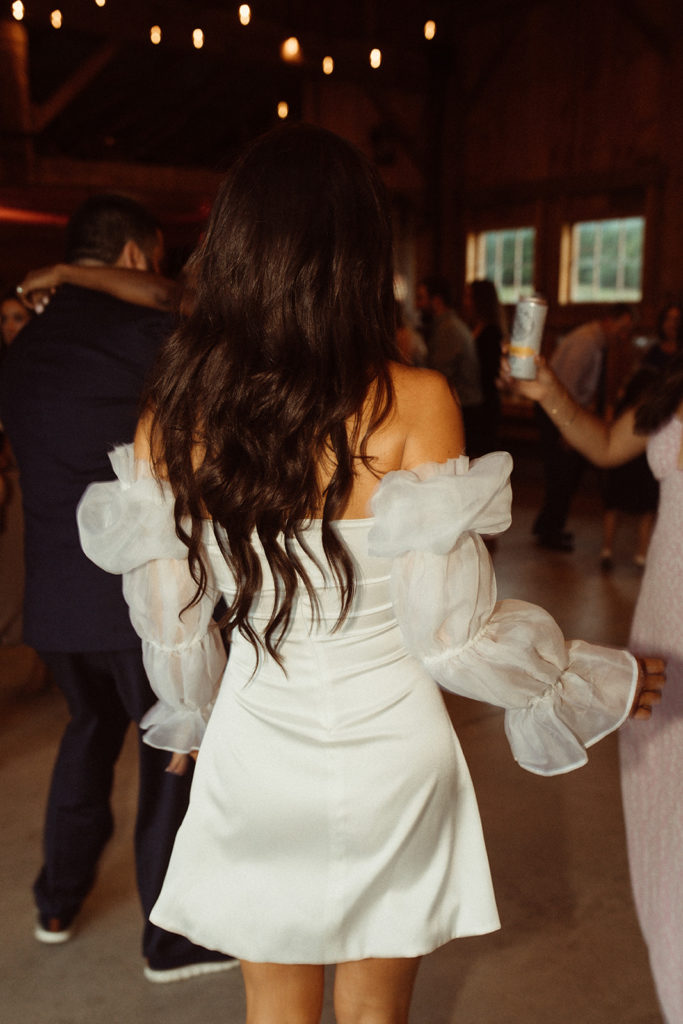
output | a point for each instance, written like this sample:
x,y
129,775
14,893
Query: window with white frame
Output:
x,y
602,260
506,257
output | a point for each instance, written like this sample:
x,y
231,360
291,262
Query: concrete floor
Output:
x,y
569,952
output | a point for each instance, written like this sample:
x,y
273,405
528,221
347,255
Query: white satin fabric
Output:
x,y
332,815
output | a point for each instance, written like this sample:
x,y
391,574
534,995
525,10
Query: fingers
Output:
x,y
38,299
652,677
178,764
653,666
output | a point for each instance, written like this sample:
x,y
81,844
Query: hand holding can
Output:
x,y
527,333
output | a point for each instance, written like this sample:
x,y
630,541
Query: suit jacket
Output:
x,y
70,391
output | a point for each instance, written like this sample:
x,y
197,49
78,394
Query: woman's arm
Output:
x,y
602,443
142,287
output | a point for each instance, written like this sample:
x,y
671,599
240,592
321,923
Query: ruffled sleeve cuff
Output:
x,y
590,699
187,679
178,729
559,697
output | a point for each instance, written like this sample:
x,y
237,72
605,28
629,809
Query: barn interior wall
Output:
x,y
548,112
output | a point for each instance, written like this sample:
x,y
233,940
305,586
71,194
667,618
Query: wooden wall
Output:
x,y
537,112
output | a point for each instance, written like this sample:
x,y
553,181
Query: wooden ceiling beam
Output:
x,y
44,113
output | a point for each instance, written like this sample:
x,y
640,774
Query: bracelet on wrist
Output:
x,y
554,410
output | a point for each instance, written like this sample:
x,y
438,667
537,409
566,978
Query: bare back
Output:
x,y
424,425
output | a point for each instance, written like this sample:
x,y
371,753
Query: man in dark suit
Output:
x,y
70,391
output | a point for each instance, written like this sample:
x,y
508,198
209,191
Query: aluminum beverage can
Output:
x,y
525,340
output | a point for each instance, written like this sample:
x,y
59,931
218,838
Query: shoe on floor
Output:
x,y
163,975
51,931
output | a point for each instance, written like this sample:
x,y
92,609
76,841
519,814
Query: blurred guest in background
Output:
x,y
651,758
70,391
669,337
632,487
489,330
13,317
579,362
452,351
409,342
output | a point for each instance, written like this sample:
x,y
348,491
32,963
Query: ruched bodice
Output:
x,y
370,634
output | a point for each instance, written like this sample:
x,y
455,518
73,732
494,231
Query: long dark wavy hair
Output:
x,y
281,366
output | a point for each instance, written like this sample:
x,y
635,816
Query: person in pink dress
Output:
x,y
652,756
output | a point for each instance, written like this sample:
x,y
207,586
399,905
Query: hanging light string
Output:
x,y
290,48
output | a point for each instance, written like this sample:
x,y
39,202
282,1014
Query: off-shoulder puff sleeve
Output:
x,y
559,697
127,526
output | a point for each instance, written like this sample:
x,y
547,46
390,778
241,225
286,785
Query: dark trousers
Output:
x,y
105,691
563,468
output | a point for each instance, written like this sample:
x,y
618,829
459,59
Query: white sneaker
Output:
x,y
168,974
53,934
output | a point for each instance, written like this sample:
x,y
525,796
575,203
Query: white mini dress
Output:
x,y
332,815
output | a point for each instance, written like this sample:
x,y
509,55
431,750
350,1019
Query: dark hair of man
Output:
x,y
662,398
439,288
485,302
270,375
101,226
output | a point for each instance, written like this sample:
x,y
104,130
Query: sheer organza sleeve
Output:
x,y
559,697
127,526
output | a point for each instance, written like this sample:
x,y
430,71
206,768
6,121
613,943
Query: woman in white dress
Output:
x,y
288,464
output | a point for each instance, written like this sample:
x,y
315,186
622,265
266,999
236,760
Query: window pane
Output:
x,y
585,273
508,260
608,274
606,260
586,238
508,267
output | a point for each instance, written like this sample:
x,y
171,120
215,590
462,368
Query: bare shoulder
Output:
x,y
429,415
141,445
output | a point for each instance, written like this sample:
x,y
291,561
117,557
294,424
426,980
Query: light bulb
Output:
x,y
291,49
283,110
56,18
155,34
375,58
245,14
430,29
17,10
197,39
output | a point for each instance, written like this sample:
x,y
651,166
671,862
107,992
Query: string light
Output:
x,y
283,110
291,50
